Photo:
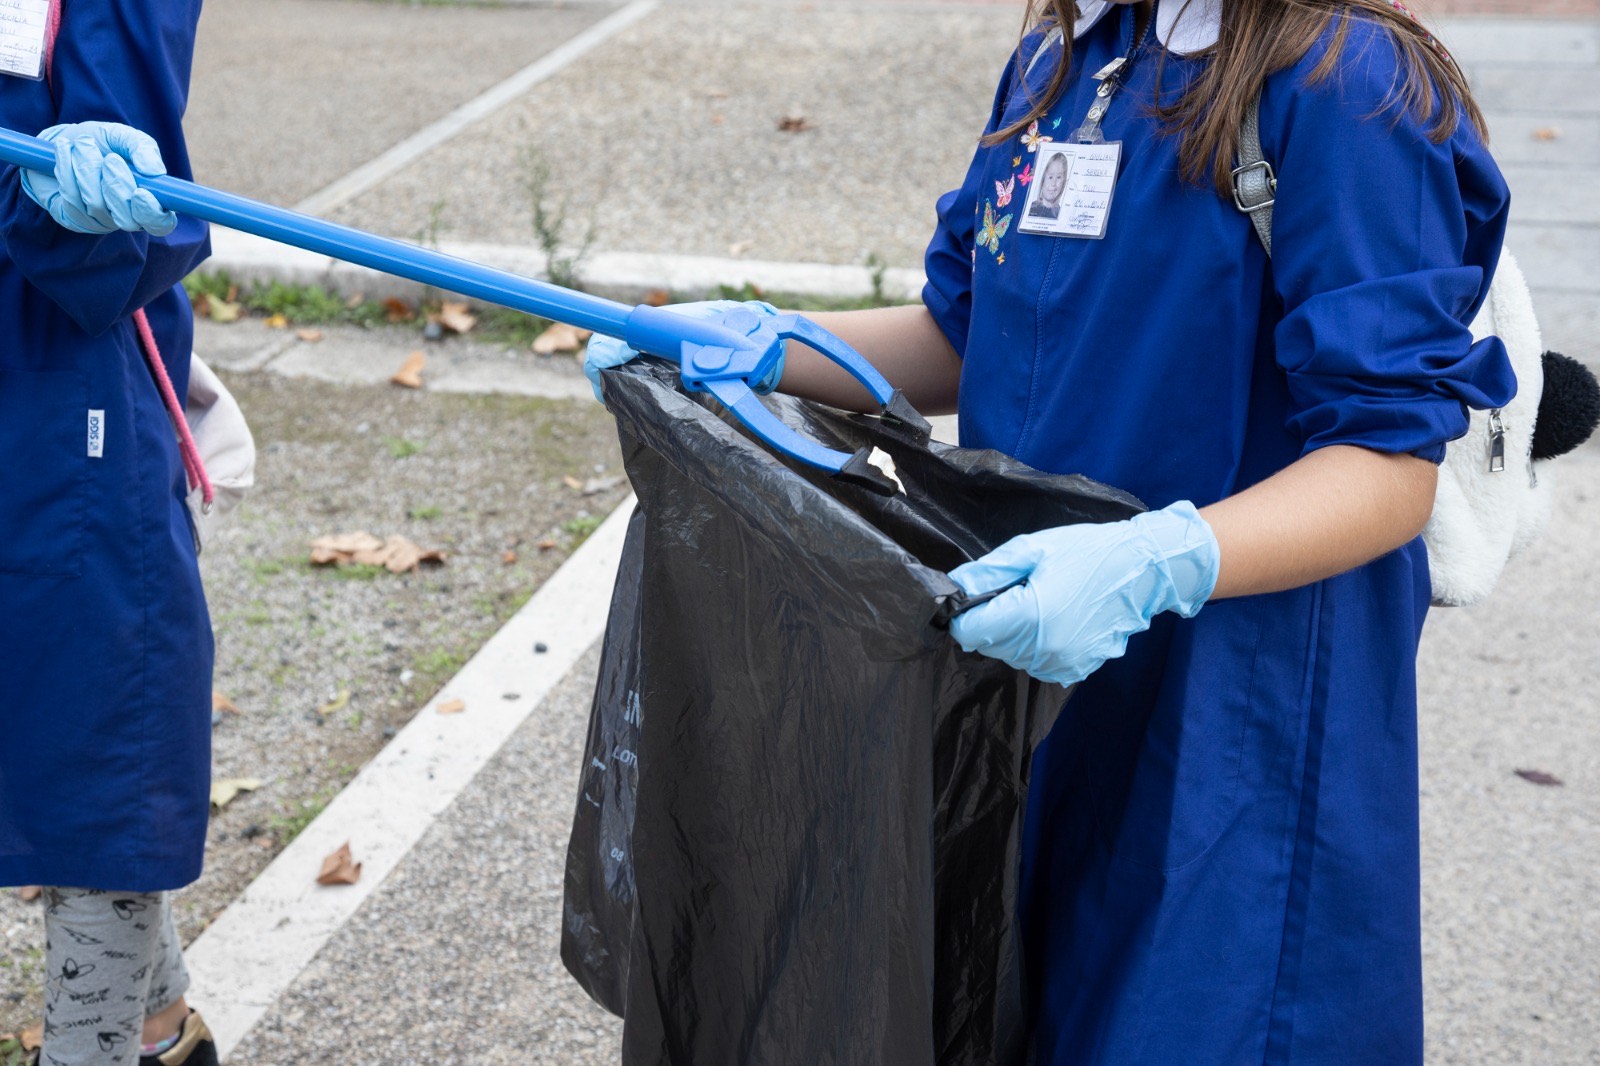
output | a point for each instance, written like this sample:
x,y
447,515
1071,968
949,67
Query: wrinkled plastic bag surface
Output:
x,y
797,833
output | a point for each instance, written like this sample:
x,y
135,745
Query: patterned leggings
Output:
x,y
112,959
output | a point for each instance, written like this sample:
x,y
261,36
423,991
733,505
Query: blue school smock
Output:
x,y
105,693
1221,844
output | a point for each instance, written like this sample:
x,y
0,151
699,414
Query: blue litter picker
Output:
x,y
720,355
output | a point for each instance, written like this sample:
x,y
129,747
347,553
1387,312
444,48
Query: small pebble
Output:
x,y
541,647
433,332
511,695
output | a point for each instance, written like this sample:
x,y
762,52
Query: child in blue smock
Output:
x,y
1221,847
105,699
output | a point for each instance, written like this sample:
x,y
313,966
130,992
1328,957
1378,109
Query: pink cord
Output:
x,y
191,455
52,26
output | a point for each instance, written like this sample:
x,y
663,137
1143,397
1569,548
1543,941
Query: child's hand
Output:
x,y
606,352
1089,588
92,188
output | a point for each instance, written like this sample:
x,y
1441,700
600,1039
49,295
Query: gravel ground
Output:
x,y
703,169
477,476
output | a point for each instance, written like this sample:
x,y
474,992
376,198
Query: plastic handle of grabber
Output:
x,y
649,329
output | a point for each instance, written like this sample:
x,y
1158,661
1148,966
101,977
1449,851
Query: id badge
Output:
x,y
22,37
1070,195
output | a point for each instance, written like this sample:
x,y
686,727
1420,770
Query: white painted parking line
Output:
x,y
245,960
430,137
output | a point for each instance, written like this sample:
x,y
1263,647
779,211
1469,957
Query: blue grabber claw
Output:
x,y
725,356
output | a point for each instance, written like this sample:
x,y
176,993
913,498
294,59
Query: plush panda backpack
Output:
x,y
1494,495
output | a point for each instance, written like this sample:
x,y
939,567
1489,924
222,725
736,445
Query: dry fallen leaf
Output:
x,y
456,317
1547,133
738,248
223,311
717,120
508,557
572,483
560,338
394,552
224,790
278,321
410,372
32,1038
548,543
397,310
310,336
355,300
340,701
658,298
452,707
340,868
29,893
201,302
219,702
341,547
1538,777
795,124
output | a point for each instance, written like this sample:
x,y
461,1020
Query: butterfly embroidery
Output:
x,y
1015,160
1002,192
1001,259
1031,140
989,236
1056,124
1026,177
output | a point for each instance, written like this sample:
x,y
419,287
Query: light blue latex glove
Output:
x,y
1089,588
92,189
604,353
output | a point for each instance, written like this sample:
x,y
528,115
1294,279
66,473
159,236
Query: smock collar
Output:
x,y
1183,27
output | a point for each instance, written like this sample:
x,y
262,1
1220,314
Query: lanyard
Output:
x,y
1110,78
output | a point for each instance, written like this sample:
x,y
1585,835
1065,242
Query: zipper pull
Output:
x,y
1497,442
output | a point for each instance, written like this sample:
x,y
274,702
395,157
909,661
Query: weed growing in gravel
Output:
x,y
401,448
579,528
352,571
425,514
438,664
288,826
261,569
550,224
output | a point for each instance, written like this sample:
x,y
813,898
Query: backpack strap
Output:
x,y
1255,183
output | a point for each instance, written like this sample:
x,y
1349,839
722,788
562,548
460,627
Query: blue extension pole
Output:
x,y
651,332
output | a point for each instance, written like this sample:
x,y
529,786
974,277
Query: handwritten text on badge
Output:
x,y
1071,194
22,31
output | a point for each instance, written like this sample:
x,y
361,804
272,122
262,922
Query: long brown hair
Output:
x,y
1259,38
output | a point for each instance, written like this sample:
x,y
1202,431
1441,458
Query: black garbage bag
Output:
x,y
797,833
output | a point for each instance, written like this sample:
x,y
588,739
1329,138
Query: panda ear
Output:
x,y
1569,407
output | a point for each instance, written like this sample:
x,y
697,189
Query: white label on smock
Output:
x,y
22,32
97,434
1070,195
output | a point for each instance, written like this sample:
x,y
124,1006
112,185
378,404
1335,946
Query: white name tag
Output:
x,y
1070,195
97,434
22,33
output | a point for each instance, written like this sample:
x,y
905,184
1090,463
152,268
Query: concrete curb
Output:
x,y
619,275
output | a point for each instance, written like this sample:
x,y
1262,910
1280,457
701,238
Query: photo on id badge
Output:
x,y
1071,196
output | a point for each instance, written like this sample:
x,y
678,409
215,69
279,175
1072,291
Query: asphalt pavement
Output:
x,y
783,144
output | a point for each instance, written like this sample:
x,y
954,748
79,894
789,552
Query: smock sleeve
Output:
x,y
948,261
115,61
1384,244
